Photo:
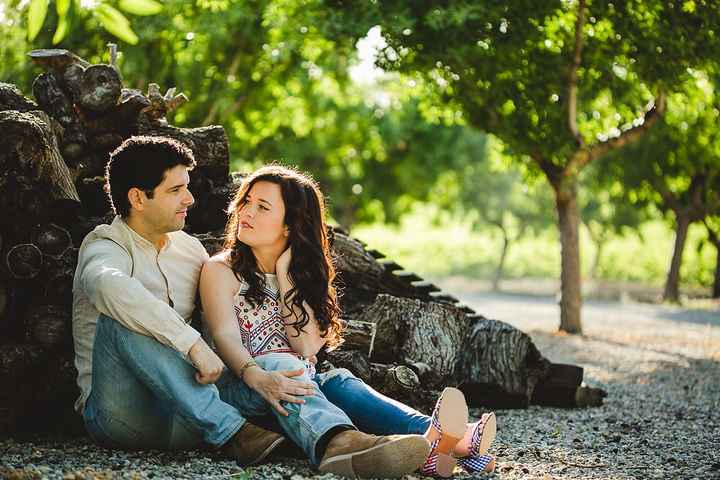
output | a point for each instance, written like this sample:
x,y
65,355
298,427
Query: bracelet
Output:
x,y
248,364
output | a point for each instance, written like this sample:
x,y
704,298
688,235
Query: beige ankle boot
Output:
x,y
251,444
355,454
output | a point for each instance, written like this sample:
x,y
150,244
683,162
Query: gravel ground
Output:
x,y
660,366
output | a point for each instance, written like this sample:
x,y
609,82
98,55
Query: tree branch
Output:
x,y
654,110
573,77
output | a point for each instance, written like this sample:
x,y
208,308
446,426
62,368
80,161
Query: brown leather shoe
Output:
x,y
355,454
251,444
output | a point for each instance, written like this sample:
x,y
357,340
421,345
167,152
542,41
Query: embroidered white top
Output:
x,y
261,327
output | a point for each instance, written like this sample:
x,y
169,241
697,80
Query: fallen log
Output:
x,y
208,144
11,98
501,365
359,336
33,174
58,104
409,331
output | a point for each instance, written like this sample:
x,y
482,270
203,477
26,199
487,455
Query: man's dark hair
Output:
x,y
141,162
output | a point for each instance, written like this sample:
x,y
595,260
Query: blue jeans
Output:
x,y
369,410
144,395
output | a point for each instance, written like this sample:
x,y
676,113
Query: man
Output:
x,y
147,378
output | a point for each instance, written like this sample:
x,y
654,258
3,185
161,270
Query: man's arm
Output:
x,y
105,279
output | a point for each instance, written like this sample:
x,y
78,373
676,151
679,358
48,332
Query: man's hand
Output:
x,y
206,361
278,386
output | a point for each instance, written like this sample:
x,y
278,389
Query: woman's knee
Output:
x,y
280,361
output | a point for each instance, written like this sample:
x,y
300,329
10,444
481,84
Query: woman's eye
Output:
x,y
264,207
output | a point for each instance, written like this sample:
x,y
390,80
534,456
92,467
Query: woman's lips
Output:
x,y
245,225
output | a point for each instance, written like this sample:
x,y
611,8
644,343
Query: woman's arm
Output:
x,y
217,289
309,342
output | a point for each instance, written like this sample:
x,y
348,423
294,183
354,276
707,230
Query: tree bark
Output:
x,y
716,284
410,330
208,144
499,365
714,239
33,174
58,104
11,98
360,336
672,284
570,277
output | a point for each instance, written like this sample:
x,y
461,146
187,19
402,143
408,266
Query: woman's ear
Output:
x,y
286,231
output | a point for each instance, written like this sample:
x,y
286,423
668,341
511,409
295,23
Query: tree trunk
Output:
x,y
716,285
672,285
570,278
714,239
501,264
599,241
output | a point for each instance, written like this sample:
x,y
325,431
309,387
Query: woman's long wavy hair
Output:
x,y
311,271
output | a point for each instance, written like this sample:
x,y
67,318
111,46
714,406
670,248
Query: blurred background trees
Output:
x,y
443,151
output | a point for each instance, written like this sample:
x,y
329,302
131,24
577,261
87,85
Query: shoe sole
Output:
x,y
488,435
266,452
391,459
453,417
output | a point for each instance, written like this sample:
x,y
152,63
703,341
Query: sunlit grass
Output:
x,y
450,247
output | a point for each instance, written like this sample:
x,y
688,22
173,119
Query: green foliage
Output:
x,y
111,18
37,11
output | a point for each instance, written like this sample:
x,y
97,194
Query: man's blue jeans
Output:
x,y
144,395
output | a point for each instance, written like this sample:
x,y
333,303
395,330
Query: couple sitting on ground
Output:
x,y
149,380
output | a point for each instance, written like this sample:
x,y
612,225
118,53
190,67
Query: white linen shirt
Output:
x,y
122,275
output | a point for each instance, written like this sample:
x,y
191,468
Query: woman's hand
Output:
x,y
282,265
278,386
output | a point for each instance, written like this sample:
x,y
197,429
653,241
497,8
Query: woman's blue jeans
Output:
x,y
369,410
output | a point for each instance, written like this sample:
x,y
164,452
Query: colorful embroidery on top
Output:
x,y
261,327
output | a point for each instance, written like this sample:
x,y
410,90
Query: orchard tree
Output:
x,y
560,82
606,211
712,224
494,192
677,166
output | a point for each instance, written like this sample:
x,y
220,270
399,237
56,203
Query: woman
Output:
x,y
269,295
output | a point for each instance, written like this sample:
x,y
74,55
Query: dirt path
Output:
x,y
661,367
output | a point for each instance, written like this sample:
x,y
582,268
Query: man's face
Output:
x,y
167,210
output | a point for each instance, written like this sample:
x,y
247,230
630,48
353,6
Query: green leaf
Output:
x,y
62,7
115,23
36,17
61,31
140,7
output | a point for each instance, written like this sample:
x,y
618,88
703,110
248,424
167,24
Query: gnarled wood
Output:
x,y
49,326
57,103
499,365
11,98
208,144
359,336
33,174
410,330
100,88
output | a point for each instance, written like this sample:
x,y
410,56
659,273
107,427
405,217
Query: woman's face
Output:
x,y
261,220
